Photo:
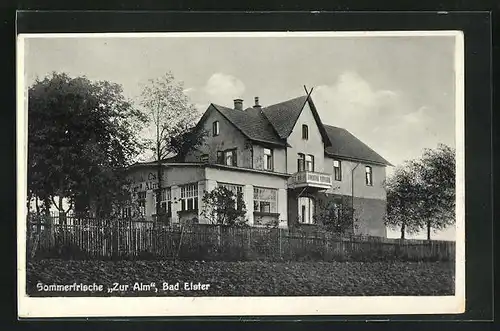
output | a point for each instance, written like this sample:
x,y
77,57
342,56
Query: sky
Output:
x,y
396,94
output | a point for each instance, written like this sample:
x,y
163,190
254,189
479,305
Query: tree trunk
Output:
x,y
62,215
159,170
37,206
429,230
158,191
46,206
403,226
28,203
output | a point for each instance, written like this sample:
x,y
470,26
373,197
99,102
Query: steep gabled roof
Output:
x,y
283,115
273,125
252,123
345,144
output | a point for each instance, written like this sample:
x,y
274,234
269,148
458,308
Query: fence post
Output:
x,y
279,241
219,237
114,240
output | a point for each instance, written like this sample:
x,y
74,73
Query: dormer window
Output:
x,y
305,132
215,128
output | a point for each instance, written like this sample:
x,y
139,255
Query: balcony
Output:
x,y
310,179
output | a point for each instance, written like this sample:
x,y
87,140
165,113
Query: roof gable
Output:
x,y
250,122
345,144
284,115
273,124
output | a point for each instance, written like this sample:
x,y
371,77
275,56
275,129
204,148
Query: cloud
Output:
x,y
223,88
189,90
385,120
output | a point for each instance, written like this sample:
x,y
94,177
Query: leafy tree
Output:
x,y
436,179
421,193
334,216
223,207
173,119
403,194
81,136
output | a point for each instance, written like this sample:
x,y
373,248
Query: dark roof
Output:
x,y
283,115
345,144
252,123
273,124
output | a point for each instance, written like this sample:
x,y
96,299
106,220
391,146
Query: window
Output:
x,y
215,128
204,157
306,210
126,212
301,162
220,157
230,157
236,189
189,197
368,175
265,200
309,162
305,132
268,159
337,170
141,203
165,201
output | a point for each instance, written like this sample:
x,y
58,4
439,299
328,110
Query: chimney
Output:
x,y
257,103
238,104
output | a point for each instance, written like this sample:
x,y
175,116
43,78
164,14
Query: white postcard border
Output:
x,y
239,306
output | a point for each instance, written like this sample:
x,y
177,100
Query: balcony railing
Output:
x,y
310,179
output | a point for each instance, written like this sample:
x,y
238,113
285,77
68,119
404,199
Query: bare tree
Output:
x,y
174,121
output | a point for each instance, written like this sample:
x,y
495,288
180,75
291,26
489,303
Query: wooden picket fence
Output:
x,y
90,238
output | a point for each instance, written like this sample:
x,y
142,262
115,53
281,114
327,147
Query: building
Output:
x,y
283,160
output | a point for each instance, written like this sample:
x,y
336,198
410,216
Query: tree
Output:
x,y
403,194
223,207
436,179
173,118
334,216
81,136
421,193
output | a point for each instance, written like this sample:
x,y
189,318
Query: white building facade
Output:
x,y
281,158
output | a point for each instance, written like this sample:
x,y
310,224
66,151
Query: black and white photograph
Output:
x,y
242,173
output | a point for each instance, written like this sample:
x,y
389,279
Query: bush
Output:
x,y
68,251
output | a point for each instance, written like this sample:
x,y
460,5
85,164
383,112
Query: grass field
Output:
x,y
250,278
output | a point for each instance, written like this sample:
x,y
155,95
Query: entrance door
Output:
x,y
306,210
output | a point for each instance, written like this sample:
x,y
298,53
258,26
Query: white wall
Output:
x,y
376,191
314,145
207,179
279,158
248,180
229,137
